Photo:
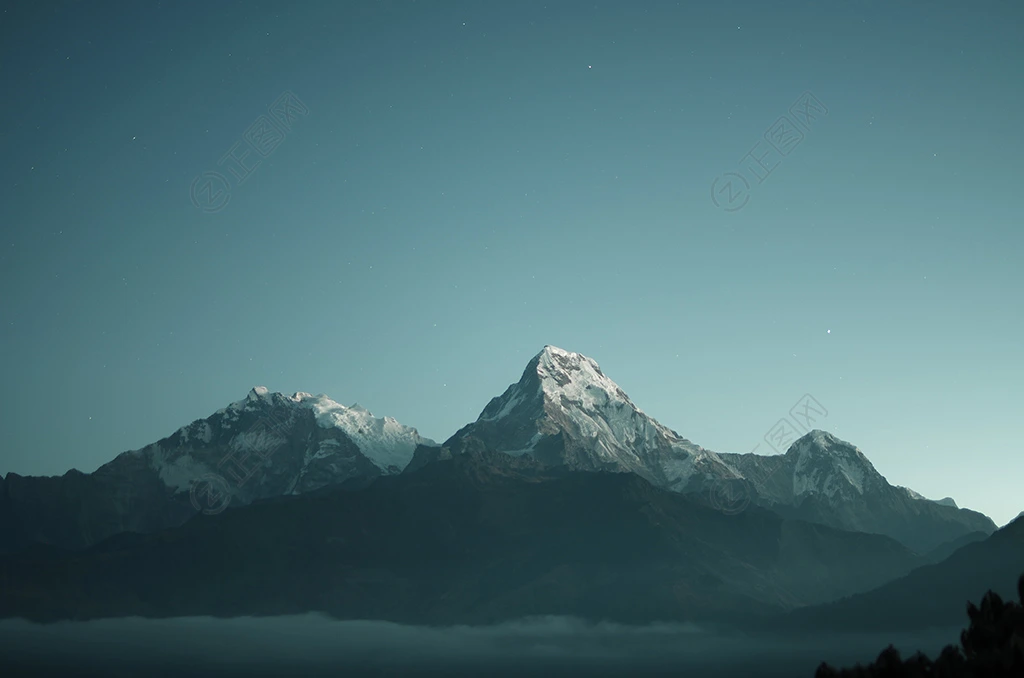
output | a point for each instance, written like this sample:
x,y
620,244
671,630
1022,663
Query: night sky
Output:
x,y
400,203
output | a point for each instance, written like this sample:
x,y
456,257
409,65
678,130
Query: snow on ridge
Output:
x,y
854,474
514,395
531,445
913,495
680,469
823,461
199,431
178,473
945,501
255,394
577,377
384,441
603,411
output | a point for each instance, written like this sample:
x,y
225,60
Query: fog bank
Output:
x,y
314,645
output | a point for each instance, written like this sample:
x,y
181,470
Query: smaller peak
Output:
x,y
818,440
356,407
257,392
820,436
912,494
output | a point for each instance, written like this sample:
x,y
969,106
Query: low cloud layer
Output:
x,y
313,645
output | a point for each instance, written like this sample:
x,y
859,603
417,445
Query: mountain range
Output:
x,y
478,538
562,497
825,480
265,445
565,411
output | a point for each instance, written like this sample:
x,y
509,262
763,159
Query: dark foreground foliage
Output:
x,y
991,647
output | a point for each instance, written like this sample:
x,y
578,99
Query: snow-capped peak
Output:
x,y
385,442
825,464
564,401
818,442
257,392
562,378
576,377
824,442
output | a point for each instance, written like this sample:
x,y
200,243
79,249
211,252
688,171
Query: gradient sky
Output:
x,y
473,180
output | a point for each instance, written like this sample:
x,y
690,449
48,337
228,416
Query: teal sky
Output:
x,y
457,184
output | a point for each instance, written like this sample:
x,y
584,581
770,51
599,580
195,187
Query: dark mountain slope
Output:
x,y
932,596
478,538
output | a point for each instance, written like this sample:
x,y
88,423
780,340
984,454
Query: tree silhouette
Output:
x,y
992,646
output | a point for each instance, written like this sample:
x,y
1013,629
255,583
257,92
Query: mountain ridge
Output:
x,y
478,538
264,445
828,480
563,411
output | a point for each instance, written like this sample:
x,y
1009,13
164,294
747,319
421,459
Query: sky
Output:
x,y
732,207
